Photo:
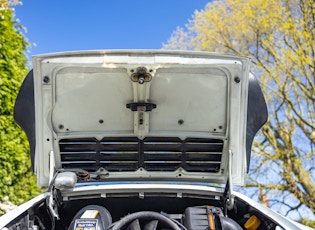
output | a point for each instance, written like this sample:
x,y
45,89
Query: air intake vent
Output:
x,y
152,154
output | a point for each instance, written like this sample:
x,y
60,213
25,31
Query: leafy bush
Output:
x,y
17,181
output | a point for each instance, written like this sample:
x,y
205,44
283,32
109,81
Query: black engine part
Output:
x,y
91,217
208,217
145,220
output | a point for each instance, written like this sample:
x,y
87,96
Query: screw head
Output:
x,y
46,79
237,79
181,122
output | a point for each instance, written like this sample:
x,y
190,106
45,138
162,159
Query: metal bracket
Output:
x,y
51,165
51,204
141,75
141,106
229,185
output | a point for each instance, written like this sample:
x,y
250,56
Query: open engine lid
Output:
x,y
139,115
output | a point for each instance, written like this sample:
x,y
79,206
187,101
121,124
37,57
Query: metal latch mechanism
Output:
x,y
141,106
141,81
141,75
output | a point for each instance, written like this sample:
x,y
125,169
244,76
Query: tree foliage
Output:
x,y
16,179
279,36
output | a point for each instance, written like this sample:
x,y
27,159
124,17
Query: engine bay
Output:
x,y
90,204
200,217
152,212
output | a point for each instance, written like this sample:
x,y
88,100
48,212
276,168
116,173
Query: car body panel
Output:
x,y
197,95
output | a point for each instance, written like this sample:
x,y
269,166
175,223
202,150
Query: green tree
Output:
x,y
16,179
279,36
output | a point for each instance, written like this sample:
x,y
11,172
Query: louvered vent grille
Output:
x,y
152,154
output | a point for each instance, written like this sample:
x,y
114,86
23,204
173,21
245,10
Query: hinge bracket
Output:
x,y
229,202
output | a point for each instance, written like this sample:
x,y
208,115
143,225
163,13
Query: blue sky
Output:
x,y
69,25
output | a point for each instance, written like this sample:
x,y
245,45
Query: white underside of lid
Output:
x,y
194,95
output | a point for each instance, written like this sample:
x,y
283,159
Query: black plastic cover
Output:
x,y
200,218
257,114
24,112
197,218
100,222
229,224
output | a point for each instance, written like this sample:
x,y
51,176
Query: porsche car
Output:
x,y
141,140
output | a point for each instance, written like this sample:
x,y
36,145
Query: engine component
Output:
x,y
91,217
208,217
145,220
65,180
252,223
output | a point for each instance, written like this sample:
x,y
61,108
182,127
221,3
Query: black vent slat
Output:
x,y
203,147
152,153
120,147
208,157
161,147
76,156
165,157
119,156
